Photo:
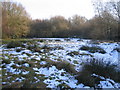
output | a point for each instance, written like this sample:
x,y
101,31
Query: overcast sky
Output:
x,y
42,9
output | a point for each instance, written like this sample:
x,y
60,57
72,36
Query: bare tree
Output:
x,y
104,10
115,8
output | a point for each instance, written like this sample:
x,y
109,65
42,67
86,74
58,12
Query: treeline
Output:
x,y
77,26
16,23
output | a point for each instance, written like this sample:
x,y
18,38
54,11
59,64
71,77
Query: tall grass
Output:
x,y
93,49
98,67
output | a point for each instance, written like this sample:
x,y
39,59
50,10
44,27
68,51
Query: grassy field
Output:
x,y
59,63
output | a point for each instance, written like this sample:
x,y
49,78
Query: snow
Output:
x,y
105,84
54,76
25,72
20,79
54,72
4,82
43,62
26,65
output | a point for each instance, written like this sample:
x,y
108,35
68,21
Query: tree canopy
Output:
x,y
16,23
15,20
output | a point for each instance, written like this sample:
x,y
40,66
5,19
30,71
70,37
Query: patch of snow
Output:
x,y
43,62
4,82
105,84
20,79
26,64
25,72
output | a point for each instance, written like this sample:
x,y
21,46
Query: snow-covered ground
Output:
x,y
26,61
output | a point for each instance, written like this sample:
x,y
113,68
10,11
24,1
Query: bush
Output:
x,y
66,66
18,50
94,42
117,49
98,67
57,40
6,61
73,53
46,47
67,39
61,65
14,44
12,85
57,48
93,49
40,40
31,47
63,86
37,50
86,78
85,54
34,48
85,48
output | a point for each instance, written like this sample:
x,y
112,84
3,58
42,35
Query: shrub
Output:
x,y
49,63
12,85
40,85
24,41
63,86
34,48
93,49
38,40
75,62
94,42
6,61
21,62
31,47
46,47
66,66
117,49
18,50
61,65
98,67
82,54
67,39
58,48
41,40
43,59
73,53
28,54
37,50
84,48
86,78
14,44
57,40
80,40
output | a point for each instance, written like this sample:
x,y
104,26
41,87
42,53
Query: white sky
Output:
x,y
42,9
